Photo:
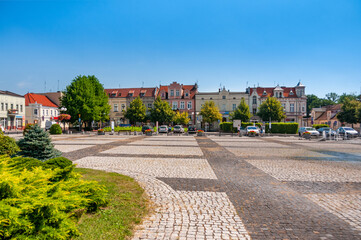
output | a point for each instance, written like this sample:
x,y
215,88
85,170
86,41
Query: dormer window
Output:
x,y
264,93
291,92
130,94
223,97
187,94
163,95
141,94
119,94
276,94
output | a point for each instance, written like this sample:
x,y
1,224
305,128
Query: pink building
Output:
x,y
181,98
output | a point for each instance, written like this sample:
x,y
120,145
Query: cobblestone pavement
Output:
x,y
235,188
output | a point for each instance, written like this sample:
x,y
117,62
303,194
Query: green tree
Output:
x,y
210,112
332,97
161,112
346,97
242,112
136,111
85,96
37,144
349,111
181,118
315,102
271,109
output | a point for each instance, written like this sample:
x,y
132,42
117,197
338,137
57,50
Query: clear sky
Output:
x,y
230,43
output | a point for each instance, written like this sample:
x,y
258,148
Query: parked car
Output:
x,y
350,131
242,131
251,129
192,130
327,130
146,127
311,130
178,129
48,124
163,129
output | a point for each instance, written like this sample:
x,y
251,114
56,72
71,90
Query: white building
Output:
x,y
12,110
293,100
39,109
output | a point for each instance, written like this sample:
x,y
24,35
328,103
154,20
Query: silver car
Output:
x,y
311,130
349,131
178,129
163,129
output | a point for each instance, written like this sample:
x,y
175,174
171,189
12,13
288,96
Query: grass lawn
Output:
x,y
127,206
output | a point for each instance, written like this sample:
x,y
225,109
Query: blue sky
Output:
x,y
230,43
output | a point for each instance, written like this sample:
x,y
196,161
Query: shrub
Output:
x,y
55,129
227,127
8,145
33,205
285,128
317,126
37,144
58,162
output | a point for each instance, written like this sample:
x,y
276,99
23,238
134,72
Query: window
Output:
x,y
284,106
223,107
130,94
292,107
254,111
181,105
175,105
47,112
171,93
35,111
142,94
254,100
303,108
51,112
189,105
114,94
202,98
120,94
43,112
123,106
234,98
187,94
163,95
234,106
177,93
210,98
276,94
2,106
56,112
149,105
115,107
12,106
223,97
17,106
21,108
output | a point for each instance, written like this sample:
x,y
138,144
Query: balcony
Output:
x,y
13,112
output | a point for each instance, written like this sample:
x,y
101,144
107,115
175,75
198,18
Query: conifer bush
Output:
x,y
8,145
36,204
37,144
55,129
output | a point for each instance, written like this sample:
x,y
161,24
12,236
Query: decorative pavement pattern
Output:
x,y
222,187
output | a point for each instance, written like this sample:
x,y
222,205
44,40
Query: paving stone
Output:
x,y
155,150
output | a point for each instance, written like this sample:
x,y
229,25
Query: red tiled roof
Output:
x,y
191,88
40,99
269,92
124,92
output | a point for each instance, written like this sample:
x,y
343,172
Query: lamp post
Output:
x,y
63,109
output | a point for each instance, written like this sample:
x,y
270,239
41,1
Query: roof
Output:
x,y
269,91
124,92
10,93
191,88
299,84
40,99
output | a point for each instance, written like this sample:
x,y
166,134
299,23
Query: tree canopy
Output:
x,y
136,112
181,118
210,112
271,109
85,96
242,112
161,111
350,111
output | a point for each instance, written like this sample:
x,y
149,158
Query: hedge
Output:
x,y
317,126
285,128
8,146
228,126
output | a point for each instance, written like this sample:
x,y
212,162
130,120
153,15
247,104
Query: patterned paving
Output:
x,y
235,188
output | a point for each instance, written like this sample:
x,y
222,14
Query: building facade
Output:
x,y
293,100
120,99
225,100
39,109
181,98
12,110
